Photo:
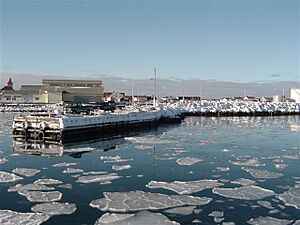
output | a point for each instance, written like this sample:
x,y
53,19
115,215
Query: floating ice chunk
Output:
x,y
94,173
206,142
143,217
149,140
40,196
274,211
113,159
223,169
218,219
8,217
48,181
268,220
188,161
64,164
98,178
294,157
243,181
291,197
143,147
197,221
3,160
297,222
184,210
118,168
55,208
27,172
65,186
77,150
265,204
6,177
228,223
225,150
139,200
262,174
72,170
216,214
246,162
245,192
30,187
185,187
281,165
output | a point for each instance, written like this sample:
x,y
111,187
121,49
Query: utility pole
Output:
x,y
131,92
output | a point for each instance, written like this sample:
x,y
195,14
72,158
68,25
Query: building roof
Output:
x,y
6,88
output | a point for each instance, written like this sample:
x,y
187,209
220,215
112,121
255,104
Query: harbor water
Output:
x,y
244,170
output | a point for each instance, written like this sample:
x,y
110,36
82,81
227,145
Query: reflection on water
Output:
x,y
204,171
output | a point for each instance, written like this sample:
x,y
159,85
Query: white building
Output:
x,y
295,94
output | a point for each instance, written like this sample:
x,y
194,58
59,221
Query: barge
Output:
x,y
54,128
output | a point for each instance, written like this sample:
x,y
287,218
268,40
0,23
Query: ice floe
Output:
x,y
291,197
265,204
243,181
30,187
239,161
268,220
65,186
3,160
64,164
55,208
8,217
223,169
48,181
98,178
6,177
184,210
297,222
27,172
143,217
118,168
244,192
78,150
216,214
185,187
149,140
114,159
139,200
262,174
41,196
73,170
188,161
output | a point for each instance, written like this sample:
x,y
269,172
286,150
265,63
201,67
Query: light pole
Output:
x,y
154,99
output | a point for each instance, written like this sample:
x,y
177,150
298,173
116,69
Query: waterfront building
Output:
x,y
295,95
79,90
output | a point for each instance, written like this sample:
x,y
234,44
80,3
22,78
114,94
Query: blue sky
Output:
x,y
222,40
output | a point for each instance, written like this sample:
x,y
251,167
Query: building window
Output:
x,y
36,98
14,98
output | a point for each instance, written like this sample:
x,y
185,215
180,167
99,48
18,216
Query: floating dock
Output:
x,y
54,128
